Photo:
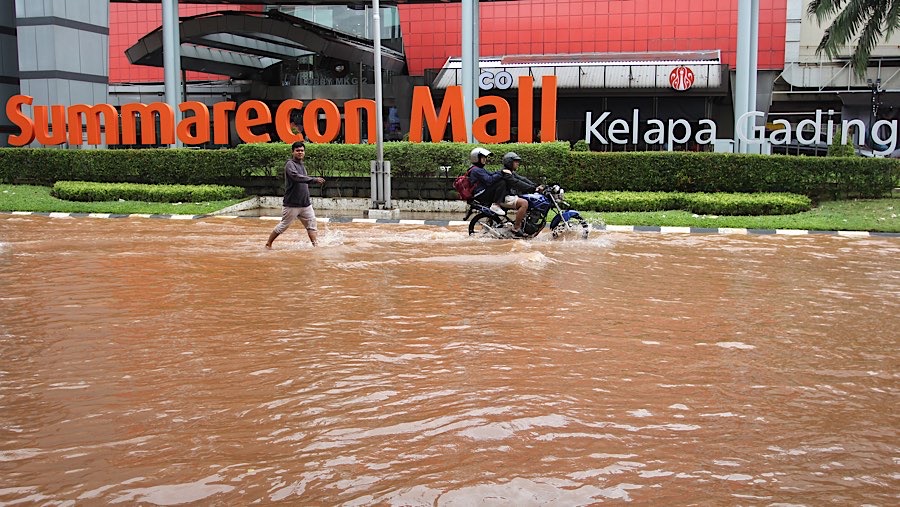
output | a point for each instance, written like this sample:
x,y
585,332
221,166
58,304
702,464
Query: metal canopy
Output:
x,y
239,44
609,71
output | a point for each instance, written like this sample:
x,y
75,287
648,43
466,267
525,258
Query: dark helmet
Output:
x,y
478,152
509,158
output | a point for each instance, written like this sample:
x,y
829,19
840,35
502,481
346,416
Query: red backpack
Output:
x,y
464,187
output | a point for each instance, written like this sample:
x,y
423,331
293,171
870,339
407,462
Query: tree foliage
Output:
x,y
872,20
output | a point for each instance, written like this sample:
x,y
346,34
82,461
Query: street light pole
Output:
x,y
381,171
172,56
875,86
470,63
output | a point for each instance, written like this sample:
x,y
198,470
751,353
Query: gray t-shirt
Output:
x,y
296,185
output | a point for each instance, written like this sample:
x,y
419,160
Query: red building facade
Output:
x,y
432,33
532,29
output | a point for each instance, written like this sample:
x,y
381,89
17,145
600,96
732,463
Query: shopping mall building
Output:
x,y
632,59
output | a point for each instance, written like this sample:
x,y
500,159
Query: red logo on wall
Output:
x,y
681,78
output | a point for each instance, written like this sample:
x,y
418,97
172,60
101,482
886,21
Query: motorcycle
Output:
x,y
540,204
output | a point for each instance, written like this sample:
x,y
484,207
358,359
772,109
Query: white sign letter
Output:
x,y
742,123
710,132
891,141
655,135
618,127
687,131
591,128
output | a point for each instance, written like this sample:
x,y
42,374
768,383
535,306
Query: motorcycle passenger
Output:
x,y
490,186
517,185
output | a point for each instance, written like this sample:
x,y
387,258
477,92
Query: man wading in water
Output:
x,y
296,196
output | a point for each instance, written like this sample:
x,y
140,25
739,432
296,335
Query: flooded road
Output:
x,y
170,362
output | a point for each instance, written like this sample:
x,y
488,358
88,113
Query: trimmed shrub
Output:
x,y
581,145
44,166
724,172
90,191
624,201
838,148
699,203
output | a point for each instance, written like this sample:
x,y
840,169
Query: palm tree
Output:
x,y
872,20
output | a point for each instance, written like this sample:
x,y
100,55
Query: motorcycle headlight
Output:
x,y
561,193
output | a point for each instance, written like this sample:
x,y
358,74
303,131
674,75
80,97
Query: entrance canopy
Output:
x,y
239,44
609,71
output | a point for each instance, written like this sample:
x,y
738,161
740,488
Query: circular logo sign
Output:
x,y
681,78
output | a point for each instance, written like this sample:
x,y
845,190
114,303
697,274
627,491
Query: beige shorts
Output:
x,y
288,214
509,201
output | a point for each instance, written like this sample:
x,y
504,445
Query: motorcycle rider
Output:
x,y
517,185
490,186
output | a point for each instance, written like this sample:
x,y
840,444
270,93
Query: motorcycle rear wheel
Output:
x,y
485,225
575,224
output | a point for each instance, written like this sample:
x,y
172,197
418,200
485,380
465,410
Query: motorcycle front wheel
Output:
x,y
576,225
485,225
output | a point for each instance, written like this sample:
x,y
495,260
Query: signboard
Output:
x,y
488,80
51,125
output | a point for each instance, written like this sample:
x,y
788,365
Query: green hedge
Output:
x,y
699,203
543,162
44,166
725,172
98,192
407,159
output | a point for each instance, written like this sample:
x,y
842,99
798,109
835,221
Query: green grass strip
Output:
x,y
38,198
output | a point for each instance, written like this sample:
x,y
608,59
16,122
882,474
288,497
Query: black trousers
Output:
x,y
495,193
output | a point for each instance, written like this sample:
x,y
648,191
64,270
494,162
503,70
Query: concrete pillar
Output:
x,y
63,51
753,74
745,71
9,67
470,59
172,56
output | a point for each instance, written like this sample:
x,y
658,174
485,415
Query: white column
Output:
x,y
746,70
172,57
470,58
752,74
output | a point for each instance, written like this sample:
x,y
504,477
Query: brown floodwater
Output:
x,y
168,362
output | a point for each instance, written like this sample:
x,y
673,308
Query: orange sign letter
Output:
x,y
25,124
451,112
311,121
548,109
243,121
200,122
501,116
92,121
351,120
283,120
148,127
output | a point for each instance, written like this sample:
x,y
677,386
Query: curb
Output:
x,y
456,223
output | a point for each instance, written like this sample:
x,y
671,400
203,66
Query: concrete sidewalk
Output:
x,y
462,223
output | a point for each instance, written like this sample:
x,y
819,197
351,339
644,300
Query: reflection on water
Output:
x,y
169,362
347,215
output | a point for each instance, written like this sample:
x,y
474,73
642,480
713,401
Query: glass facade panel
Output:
x,y
352,20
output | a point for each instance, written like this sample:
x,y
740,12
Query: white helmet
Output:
x,y
478,152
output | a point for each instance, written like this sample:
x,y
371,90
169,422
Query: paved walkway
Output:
x,y
459,223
